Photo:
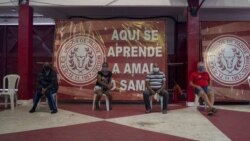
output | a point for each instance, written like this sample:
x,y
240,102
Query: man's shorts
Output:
x,y
206,90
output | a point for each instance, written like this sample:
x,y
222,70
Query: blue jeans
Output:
x,y
49,95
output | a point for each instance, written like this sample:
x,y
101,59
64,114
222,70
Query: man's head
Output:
x,y
105,66
156,67
46,66
200,67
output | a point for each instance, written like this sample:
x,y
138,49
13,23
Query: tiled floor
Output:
x,y
126,122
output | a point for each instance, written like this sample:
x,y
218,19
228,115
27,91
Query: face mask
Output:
x,y
201,68
105,69
46,68
155,69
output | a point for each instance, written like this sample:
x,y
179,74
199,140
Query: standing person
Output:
x,y
103,85
200,81
155,84
46,85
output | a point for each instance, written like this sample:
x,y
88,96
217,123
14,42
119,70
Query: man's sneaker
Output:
x,y
148,111
164,111
214,110
54,111
210,112
32,111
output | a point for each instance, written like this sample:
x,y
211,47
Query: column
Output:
x,y
25,33
193,43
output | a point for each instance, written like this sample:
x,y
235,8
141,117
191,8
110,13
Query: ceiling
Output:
x,y
47,14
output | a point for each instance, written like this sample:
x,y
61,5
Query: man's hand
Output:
x,y
158,91
44,90
198,87
109,86
152,91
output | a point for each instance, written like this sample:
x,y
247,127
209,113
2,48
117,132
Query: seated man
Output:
x,y
200,80
47,85
155,83
103,85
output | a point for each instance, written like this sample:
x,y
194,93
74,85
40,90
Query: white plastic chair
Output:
x,y
12,81
106,98
248,80
160,98
196,102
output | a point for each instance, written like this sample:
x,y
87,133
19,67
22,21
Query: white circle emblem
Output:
x,y
79,59
227,60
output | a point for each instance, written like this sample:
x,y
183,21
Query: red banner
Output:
x,y
130,48
226,54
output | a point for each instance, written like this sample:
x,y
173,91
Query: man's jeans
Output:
x,y
49,95
147,94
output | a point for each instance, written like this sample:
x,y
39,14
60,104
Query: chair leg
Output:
x,y
16,99
107,103
12,101
93,106
151,102
5,101
196,101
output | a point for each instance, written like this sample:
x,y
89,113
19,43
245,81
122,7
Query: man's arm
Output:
x,y
162,87
149,88
194,85
99,79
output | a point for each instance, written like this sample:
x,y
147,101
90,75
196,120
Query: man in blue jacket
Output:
x,y
47,85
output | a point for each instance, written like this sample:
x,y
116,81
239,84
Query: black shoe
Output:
x,y
54,111
210,112
32,111
214,110
148,111
97,107
164,111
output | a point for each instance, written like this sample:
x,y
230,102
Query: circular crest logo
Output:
x,y
79,59
227,60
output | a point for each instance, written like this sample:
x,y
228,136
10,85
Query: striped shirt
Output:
x,y
156,79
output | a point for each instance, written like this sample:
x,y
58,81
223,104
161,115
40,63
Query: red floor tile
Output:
x,y
97,131
234,124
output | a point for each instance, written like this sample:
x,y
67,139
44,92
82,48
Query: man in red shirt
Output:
x,y
200,81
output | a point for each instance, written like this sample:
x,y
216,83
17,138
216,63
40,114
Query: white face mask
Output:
x,y
155,69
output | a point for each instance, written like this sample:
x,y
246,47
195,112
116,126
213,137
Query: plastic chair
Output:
x,y
159,98
12,81
248,80
196,102
106,98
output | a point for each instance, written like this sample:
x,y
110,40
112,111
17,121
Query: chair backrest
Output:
x,y
248,79
13,81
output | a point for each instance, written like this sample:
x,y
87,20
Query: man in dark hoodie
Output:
x,y
47,85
